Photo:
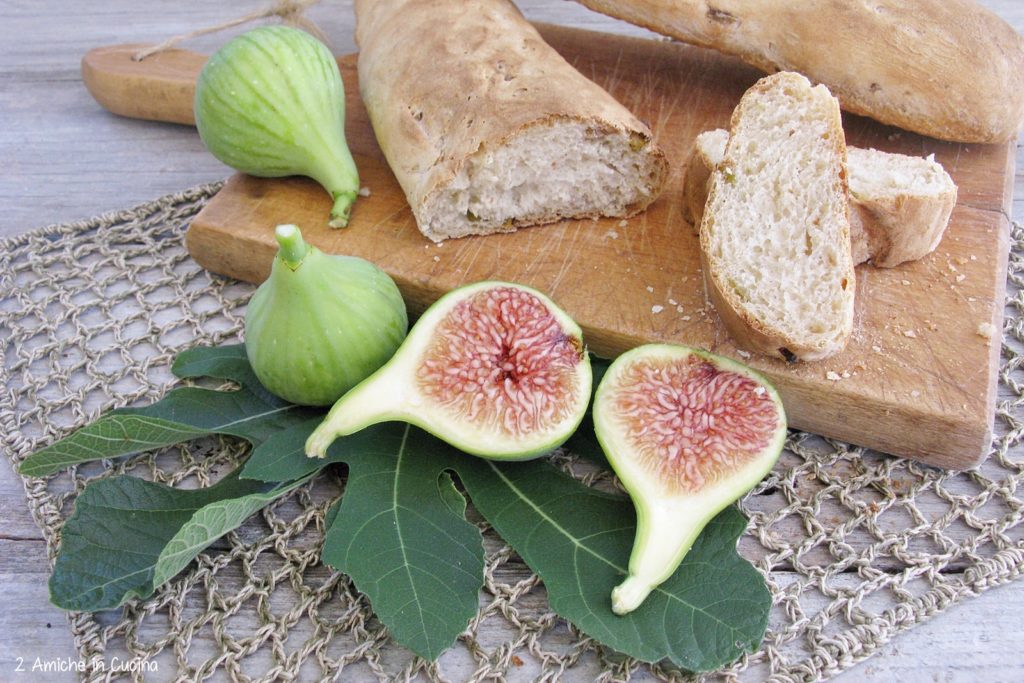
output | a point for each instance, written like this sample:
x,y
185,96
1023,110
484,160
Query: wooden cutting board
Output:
x,y
917,379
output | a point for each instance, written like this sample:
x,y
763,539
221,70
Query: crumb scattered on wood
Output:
x,y
986,330
437,258
612,234
364,192
650,289
657,309
833,376
905,283
623,224
910,333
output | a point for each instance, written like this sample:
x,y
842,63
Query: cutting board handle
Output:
x,y
161,87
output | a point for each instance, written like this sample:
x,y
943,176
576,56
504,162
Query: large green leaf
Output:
x,y
401,533
578,540
127,535
714,608
400,529
183,414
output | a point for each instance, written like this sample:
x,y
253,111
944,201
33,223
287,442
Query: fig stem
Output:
x,y
628,595
293,247
343,202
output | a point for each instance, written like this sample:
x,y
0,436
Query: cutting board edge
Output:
x,y
960,435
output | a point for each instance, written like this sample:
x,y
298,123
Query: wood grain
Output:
x,y
916,380
67,158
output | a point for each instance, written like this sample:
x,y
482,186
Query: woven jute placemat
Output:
x,y
855,546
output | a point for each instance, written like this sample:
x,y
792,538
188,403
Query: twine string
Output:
x,y
291,12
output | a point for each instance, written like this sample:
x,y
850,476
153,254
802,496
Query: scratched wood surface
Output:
x,y
66,158
917,379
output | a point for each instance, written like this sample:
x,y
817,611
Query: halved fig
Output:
x,y
493,368
687,433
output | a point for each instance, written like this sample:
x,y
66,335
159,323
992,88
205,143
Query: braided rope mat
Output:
x,y
856,547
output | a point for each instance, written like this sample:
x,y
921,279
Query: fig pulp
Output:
x,y
687,433
493,368
321,324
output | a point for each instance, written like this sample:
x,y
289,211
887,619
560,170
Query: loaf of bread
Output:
x,y
950,69
775,235
487,128
899,205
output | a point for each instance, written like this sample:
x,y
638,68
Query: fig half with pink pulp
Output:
x,y
493,368
687,433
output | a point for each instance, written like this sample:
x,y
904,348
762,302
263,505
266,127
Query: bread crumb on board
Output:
x,y
437,258
986,330
657,308
650,289
833,376
915,393
910,333
612,234
364,192
623,224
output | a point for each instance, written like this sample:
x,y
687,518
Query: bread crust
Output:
x,y
445,79
904,227
746,330
951,69
886,230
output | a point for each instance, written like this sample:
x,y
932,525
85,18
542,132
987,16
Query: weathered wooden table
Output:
x,y
65,158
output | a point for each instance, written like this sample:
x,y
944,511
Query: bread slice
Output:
x,y
903,203
899,205
487,128
775,235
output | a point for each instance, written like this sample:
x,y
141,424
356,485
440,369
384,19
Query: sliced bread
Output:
x,y
899,205
487,128
775,235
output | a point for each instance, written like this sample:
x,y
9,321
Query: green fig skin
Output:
x,y
670,518
271,103
321,324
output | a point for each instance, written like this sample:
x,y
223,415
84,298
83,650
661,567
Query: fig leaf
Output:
x,y
128,535
713,609
185,413
399,530
401,533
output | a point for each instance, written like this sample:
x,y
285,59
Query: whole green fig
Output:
x,y
320,324
271,103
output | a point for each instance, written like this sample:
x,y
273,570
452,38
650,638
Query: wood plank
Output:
x,y
916,379
66,158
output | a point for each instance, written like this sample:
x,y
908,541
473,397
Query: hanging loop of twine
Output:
x,y
290,12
